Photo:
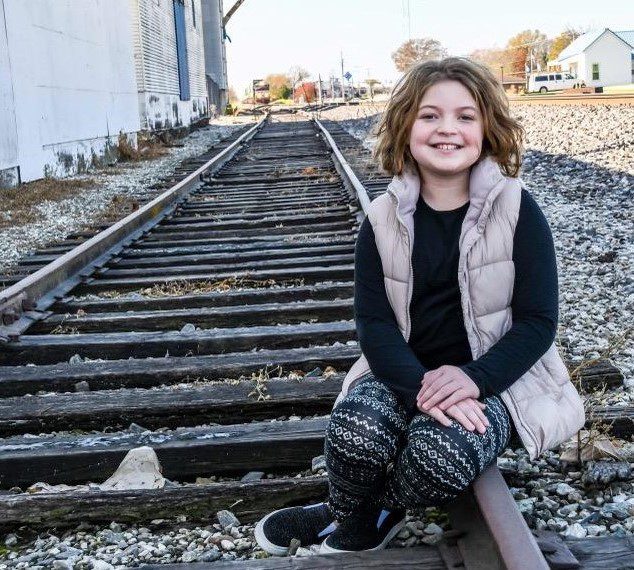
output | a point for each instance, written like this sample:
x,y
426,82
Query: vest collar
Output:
x,y
485,183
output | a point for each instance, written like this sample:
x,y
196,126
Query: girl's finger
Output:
x,y
482,405
472,414
433,388
439,416
438,396
452,399
456,413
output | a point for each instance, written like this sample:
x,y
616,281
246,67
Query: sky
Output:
x,y
270,36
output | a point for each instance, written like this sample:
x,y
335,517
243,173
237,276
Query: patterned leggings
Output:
x,y
375,450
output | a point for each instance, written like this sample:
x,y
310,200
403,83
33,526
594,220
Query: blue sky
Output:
x,y
269,36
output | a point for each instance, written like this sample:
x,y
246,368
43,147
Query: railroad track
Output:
x,y
198,326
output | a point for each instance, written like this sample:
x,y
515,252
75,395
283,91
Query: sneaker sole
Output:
x,y
325,549
264,542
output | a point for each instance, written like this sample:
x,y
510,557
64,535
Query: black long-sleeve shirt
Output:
x,y
438,334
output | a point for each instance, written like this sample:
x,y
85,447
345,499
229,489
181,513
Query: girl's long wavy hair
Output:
x,y
503,135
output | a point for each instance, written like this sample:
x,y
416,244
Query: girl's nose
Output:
x,y
447,126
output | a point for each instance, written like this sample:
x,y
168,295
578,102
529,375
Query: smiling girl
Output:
x,y
456,307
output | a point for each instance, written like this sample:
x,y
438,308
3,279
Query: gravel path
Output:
x,y
60,218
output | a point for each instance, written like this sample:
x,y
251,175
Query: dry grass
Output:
x,y
147,149
19,203
184,287
120,206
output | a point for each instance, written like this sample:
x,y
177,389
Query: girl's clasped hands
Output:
x,y
448,392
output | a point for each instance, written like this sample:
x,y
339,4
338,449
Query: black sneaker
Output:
x,y
369,527
308,524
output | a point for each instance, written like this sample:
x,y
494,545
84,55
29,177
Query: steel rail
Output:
x,y
345,169
19,302
516,547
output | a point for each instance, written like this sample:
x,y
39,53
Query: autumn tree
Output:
x,y
416,51
562,41
279,86
498,60
521,45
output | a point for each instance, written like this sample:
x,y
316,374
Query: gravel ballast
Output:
x,y
579,166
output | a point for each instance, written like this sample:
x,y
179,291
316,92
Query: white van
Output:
x,y
551,81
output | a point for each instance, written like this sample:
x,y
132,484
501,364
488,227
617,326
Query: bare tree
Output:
x,y
416,51
297,74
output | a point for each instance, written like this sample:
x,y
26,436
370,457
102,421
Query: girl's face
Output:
x,y
447,114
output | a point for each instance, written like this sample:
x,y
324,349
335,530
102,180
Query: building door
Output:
x,y
181,49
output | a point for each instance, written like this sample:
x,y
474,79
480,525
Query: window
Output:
x,y
595,71
181,49
558,76
541,78
194,12
551,77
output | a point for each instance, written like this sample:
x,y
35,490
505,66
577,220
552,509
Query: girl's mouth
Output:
x,y
446,147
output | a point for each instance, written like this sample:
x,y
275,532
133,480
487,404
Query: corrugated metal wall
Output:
x,y
215,56
155,47
195,49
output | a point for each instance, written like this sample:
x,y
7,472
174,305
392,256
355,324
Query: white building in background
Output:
x,y
600,58
75,74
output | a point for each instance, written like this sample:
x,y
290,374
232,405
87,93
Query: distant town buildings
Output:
x,y
77,75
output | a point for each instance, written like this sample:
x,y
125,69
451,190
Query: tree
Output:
x,y
498,60
416,51
297,74
528,46
562,41
279,86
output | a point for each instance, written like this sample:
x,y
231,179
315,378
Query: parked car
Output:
x,y
552,81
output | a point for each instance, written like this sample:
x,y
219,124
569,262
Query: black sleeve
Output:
x,y
534,306
391,359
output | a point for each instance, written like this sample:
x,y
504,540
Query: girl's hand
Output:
x,y
468,412
444,387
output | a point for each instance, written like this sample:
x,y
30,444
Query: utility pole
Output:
x,y
321,99
343,88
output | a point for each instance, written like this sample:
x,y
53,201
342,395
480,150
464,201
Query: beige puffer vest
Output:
x,y
544,405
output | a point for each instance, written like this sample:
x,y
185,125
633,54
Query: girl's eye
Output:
x,y
427,116
468,117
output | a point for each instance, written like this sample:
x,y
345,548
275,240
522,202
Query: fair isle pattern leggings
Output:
x,y
376,451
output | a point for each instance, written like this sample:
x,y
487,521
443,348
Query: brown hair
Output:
x,y
503,135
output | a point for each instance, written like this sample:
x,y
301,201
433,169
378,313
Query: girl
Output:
x,y
456,312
